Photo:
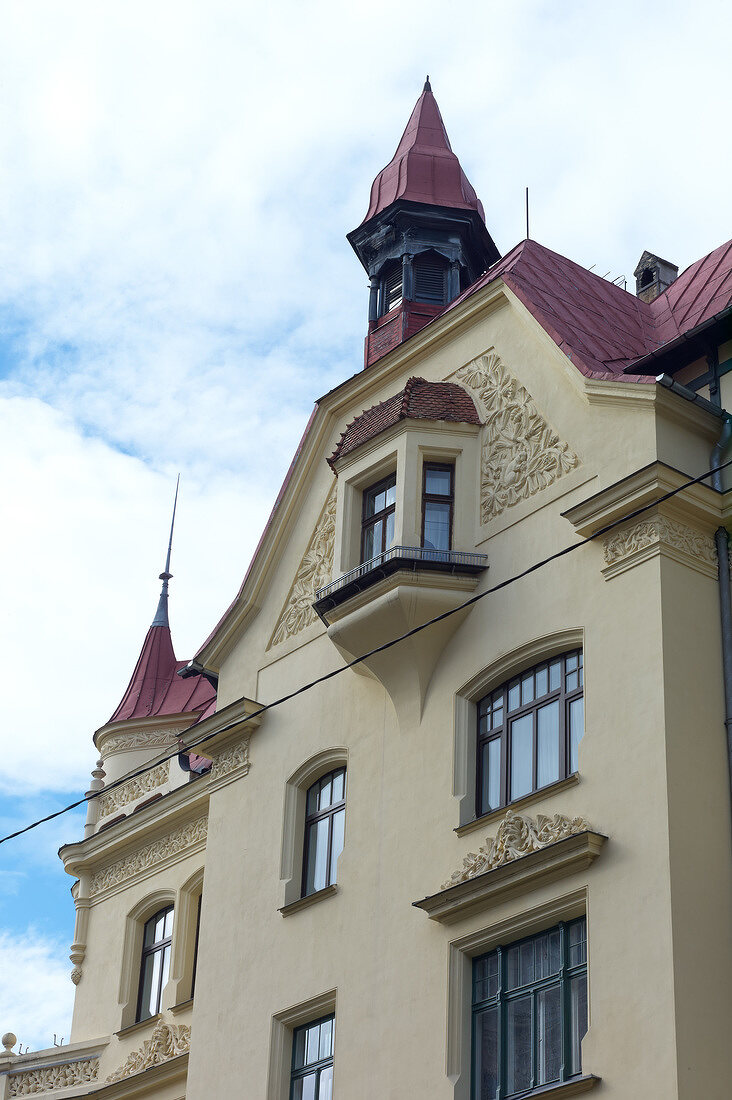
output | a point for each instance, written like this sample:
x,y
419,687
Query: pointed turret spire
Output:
x,y
427,85
161,615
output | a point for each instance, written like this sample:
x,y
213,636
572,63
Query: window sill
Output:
x,y
181,1006
309,899
535,796
139,1025
518,876
575,1087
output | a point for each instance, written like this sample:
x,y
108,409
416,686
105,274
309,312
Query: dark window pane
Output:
x,y
518,1045
312,1044
555,675
325,789
547,764
368,544
491,775
514,695
146,989
578,1019
338,786
485,977
326,1039
486,1069
576,731
521,755
436,526
578,943
437,482
548,1035
303,1088
317,847
513,972
527,689
542,682
388,531
339,821
311,805
390,494
526,955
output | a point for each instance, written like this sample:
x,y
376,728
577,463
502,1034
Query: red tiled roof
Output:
x,y
600,327
419,400
424,167
156,689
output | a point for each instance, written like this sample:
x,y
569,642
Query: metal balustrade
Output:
x,y
411,557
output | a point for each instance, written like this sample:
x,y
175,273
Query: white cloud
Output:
x,y
36,995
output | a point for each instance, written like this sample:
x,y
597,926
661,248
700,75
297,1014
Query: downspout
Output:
x,y
721,540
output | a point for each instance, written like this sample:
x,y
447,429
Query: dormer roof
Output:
x,y
419,400
424,168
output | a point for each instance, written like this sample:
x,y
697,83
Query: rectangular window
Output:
x,y
155,963
529,731
312,1061
530,1012
377,524
437,506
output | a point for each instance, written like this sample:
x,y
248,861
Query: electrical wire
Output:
x,y
370,653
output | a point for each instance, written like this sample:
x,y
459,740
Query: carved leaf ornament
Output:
x,y
631,540
521,454
314,571
46,1078
167,1041
517,836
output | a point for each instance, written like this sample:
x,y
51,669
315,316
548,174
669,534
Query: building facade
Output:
x,y
492,859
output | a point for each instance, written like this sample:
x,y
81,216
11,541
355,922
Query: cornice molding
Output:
x,y
151,857
631,544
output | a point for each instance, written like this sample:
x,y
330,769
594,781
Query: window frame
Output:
x,y
391,268
368,522
437,498
298,1072
561,979
437,260
158,947
311,819
503,733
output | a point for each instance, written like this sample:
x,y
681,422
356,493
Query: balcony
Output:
x,y
411,558
387,597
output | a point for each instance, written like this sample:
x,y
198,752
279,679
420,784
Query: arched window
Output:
x,y
529,730
325,816
155,963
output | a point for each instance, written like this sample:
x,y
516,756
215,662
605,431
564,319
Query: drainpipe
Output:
x,y
721,540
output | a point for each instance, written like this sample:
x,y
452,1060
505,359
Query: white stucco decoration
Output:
x,y
517,836
46,1078
520,454
133,789
167,1041
628,541
314,571
149,856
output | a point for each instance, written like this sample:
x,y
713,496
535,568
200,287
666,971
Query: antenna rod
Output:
x,y
168,574
527,213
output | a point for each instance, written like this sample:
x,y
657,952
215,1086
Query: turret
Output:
x,y
424,238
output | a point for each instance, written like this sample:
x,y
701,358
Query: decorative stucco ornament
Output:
x,y
521,454
314,571
133,789
659,529
149,739
517,836
45,1078
233,758
148,857
75,975
167,1041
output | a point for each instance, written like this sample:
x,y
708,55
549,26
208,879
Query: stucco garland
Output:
x,y
149,856
659,529
133,789
517,836
149,739
45,1078
521,454
167,1041
237,756
314,571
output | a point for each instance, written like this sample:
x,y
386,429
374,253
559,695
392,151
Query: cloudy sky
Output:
x,y
176,290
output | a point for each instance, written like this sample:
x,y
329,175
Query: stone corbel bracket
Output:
x,y
524,854
680,528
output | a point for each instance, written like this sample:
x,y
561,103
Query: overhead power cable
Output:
x,y
372,652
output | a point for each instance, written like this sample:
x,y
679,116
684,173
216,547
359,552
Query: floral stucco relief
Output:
x,y
521,454
630,540
314,571
45,1078
517,836
167,1041
148,857
133,789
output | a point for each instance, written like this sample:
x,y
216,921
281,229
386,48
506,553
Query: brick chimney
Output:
x,y
652,276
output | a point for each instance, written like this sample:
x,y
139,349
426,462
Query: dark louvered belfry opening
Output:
x,y
391,287
430,278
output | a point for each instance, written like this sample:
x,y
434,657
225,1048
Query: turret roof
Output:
x,y
424,168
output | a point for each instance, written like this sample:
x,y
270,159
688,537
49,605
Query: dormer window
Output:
x,y
391,287
377,525
438,494
430,278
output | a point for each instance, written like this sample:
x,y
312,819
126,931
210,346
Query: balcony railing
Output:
x,y
391,560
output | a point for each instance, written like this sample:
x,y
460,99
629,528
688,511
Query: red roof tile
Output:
x,y
156,689
419,400
424,167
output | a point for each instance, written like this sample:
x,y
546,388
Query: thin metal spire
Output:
x,y
161,615
427,85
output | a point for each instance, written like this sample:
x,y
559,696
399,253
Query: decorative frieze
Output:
x,y
147,739
314,571
231,759
148,857
167,1041
133,789
517,836
521,454
64,1076
630,545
